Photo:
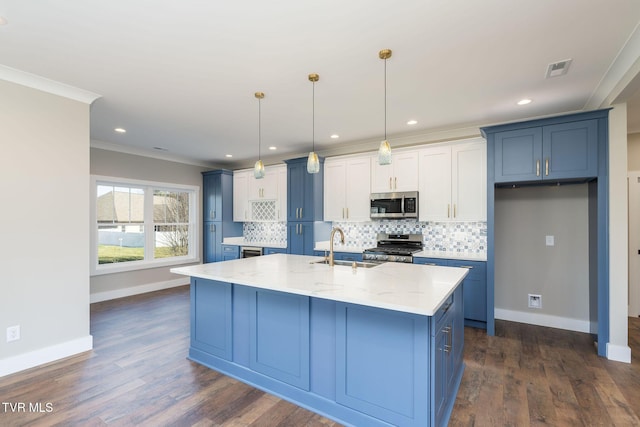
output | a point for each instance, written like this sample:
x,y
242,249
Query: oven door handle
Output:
x,y
402,206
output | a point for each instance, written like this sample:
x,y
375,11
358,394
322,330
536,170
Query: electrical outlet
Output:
x,y
13,333
535,301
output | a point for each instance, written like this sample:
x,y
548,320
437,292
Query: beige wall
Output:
x,y
115,164
44,168
633,153
526,265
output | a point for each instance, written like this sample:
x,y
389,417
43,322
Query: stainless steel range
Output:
x,y
394,248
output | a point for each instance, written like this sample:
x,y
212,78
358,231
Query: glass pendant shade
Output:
x,y
313,164
384,153
258,170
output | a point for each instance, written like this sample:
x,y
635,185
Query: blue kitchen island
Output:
x,y
363,346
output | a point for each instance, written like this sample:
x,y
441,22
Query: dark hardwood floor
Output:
x,y
137,374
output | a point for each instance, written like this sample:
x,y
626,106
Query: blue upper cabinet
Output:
x,y
217,213
304,191
570,150
555,152
212,196
518,153
217,195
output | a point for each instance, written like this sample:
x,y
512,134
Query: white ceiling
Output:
x,y
181,75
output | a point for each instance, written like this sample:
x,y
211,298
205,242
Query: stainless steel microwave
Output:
x,y
397,205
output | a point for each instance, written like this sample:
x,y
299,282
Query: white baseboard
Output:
x,y
619,353
135,290
31,359
543,320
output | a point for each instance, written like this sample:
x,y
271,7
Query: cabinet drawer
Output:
x,y
447,305
269,251
430,261
477,269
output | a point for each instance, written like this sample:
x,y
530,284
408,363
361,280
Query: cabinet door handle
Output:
x,y
447,346
395,183
342,213
390,186
466,266
448,210
301,213
454,210
546,167
347,213
537,167
212,228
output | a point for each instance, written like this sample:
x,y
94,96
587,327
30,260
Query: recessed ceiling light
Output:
x,y
273,148
412,122
3,20
228,155
120,130
160,148
524,101
335,136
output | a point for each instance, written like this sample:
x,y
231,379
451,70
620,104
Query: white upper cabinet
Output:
x,y
400,175
262,199
453,182
346,188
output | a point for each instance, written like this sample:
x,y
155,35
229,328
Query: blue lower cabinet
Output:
x,y
447,334
347,256
230,252
341,256
300,238
211,313
212,242
279,336
359,365
269,251
475,288
475,292
380,353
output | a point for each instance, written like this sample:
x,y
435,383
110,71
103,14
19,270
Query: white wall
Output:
x,y
115,164
618,348
44,274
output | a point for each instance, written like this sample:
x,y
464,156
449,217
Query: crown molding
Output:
x,y
160,155
47,85
622,79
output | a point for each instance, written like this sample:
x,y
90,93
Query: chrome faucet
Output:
x,y
333,232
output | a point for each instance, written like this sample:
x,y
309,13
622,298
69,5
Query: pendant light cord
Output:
x,y
259,127
385,99
313,120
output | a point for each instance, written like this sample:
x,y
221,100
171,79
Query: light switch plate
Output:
x,y
550,240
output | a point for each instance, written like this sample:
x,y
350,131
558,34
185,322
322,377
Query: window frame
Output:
x,y
149,261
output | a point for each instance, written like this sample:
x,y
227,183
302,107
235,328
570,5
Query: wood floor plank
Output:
x,y
138,374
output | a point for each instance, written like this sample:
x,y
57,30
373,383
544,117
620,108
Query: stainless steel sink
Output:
x,y
358,264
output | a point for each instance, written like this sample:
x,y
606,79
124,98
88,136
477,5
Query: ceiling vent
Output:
x,y
557,69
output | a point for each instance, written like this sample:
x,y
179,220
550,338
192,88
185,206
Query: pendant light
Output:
x,y
384,152
258,168
313,164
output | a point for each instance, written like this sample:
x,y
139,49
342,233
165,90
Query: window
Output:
x,y
142,224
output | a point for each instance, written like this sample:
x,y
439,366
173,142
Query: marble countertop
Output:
x,y
408,288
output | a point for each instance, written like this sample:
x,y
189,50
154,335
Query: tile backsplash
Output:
x,y
470,237
274,233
